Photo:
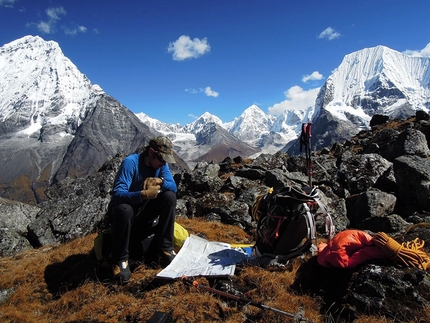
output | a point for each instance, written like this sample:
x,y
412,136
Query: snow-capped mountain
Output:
x,y
36,76
206,138
55,123
379,80
252,125
265,132
371,81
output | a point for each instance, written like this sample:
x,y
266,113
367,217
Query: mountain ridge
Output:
x,y
370,81
61,125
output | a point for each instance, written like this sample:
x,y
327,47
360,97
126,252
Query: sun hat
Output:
x,y
164,147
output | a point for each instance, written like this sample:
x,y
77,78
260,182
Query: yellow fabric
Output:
x,y
407,254
179,236
241,245
256,205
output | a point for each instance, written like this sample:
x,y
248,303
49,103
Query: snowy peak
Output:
x,y
252,124
378,74
292,119
41,86
202,122
372,81
164,128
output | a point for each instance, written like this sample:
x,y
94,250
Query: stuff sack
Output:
x,y
348,249
103,248
286,223
180,234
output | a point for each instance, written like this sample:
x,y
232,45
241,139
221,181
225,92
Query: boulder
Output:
x,y
14,219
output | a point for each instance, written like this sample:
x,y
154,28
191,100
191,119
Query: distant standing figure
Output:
x,y
143,190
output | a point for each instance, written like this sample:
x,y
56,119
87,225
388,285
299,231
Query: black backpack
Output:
x,y
286,223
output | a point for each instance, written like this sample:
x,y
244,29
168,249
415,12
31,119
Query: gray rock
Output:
x,y
368,204
413,178
76,208
359,172
377,289
388,224
14,219
411,142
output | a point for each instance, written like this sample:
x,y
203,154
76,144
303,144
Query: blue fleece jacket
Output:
x,y
130,177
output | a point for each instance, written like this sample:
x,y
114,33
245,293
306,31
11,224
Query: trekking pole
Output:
x,y
305,140
298,317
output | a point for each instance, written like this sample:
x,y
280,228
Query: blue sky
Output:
x,y
176,59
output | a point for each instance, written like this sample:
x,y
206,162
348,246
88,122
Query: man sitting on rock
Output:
x,y
144,192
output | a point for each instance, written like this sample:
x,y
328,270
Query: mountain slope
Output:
x,y
252,133
204,139
109,129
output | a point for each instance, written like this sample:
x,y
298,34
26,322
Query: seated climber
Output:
x,y
144,192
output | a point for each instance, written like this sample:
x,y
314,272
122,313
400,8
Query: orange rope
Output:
x,y
407,254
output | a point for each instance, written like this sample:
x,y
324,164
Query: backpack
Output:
x,y
286,223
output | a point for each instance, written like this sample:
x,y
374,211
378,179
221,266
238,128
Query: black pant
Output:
x,y
131,225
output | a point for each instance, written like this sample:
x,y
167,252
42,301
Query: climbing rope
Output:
x,y
407,254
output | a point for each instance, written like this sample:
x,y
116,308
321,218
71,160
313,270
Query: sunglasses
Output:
x,y
159,157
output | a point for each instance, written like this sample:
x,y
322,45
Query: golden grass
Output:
x,y
60,284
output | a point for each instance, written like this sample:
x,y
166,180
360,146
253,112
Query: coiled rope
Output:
x,y
407,254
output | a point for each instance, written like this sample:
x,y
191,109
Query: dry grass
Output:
x,y
60,284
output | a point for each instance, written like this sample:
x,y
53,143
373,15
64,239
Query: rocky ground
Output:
x,y
377,181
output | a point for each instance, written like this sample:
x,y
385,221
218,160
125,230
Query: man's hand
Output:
x,y
152,181
151,192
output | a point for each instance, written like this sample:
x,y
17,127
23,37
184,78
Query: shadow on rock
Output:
x,y
374,288
329,284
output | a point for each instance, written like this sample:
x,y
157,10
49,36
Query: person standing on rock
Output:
x,y
144,192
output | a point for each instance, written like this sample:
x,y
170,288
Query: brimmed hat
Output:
x,y
164,146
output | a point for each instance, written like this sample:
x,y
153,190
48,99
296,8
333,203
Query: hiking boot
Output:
x,y
165,257
121,272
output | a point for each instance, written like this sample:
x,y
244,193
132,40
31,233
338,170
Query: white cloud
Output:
x,y
192,91
315,76
329,33
54,13
7,3
209,92
44,27
425,52
75,29
185,48
297,99
48,27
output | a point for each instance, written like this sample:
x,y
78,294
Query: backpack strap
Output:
x,y
329,224
310,221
